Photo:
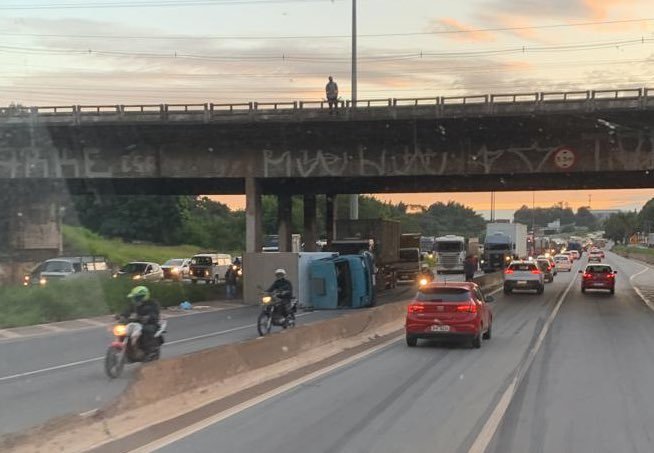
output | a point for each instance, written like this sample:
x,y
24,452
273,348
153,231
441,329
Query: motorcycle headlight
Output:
x,y
120,330
482,261
239,273
26,278
234,267
175,270
507,258
206,273
266,299
423,282
137,277
42,281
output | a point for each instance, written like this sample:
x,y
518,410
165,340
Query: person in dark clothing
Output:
x,y
469,268
147,313
331,92
426,273
284,290
230,281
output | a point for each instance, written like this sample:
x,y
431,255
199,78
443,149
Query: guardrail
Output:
x,y
209,110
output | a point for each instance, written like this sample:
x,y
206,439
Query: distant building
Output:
x,y
603,214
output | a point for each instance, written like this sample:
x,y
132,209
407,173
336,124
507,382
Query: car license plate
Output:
x,y
440,328
598,284
522,282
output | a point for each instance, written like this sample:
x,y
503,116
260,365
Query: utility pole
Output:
x,y
533,212
354,198
492,210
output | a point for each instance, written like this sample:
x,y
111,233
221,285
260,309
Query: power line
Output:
x,y
326,58
155,4
345,36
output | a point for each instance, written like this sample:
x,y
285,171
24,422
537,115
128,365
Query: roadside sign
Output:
x,y
564,158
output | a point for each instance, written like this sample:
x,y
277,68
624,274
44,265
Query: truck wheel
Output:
x,y
540,290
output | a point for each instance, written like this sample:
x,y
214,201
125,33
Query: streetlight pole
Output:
x,y
354,198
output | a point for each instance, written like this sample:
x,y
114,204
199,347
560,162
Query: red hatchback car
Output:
x,y
456,310
598,276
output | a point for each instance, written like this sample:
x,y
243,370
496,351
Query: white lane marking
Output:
x,y
93,322
95,359
638,291
51,327
490,427
192,429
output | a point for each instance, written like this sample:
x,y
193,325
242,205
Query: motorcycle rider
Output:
x,y
284,290
147,311
426,273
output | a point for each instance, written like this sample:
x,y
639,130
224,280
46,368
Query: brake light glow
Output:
x,y
535,271
588,275
467,308
416,308
508,271
611,275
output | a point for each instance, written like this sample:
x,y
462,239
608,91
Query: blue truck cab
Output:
x,y
344,281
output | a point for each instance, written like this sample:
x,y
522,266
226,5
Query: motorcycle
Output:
x,y
423,280
271,314
125,348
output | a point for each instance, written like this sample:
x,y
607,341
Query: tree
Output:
x,y
543,216
451,218
646,217
585,218
619,227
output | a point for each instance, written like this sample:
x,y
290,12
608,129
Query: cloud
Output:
x,y
459,31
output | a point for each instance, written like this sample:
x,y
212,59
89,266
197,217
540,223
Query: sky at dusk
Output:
x,y
147,51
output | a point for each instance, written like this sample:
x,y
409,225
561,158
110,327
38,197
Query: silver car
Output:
x,y
523,275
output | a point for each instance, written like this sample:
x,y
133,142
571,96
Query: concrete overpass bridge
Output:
x,y
523,141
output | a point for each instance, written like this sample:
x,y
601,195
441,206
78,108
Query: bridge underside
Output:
x,y
349,185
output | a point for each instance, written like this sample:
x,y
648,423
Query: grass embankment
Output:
x,y
95,294
78,240
639,253
85,297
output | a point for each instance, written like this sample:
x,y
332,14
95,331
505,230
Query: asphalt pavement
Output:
x,y
62,373
588,388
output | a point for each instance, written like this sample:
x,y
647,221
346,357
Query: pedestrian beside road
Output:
x,y
469,268
331,91
230,282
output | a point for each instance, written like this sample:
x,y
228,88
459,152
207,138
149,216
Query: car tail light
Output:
x,y
588,275
611,275
508,271
416,308
549,268
467,308
535,271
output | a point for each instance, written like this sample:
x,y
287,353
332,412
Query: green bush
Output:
x,y
79,298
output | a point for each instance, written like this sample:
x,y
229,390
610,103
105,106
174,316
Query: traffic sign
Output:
x,y
564,158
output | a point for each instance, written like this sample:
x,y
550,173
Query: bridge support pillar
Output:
x,y
330,218
30,229
309,235
253,209
284,222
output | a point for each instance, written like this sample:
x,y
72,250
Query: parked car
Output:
x,y
598,276
176,269
454,311
65,267
141,271
546,268
523,275
209,267
563,262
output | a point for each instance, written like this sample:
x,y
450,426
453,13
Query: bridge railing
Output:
x,y
633,97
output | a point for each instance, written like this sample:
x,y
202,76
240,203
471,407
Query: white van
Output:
x,y
209,267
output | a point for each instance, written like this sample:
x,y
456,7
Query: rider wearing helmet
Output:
x,y
283,288
147,312
426,272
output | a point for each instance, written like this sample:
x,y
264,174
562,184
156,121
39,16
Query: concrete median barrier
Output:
x,y
169,377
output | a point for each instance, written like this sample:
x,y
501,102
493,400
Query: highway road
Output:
x,y
588,388
62,373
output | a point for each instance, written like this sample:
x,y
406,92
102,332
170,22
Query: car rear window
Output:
x,y
561,258
440,294
526,267
598,269
543,264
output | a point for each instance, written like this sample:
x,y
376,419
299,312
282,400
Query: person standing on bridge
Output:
x,y
331,91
